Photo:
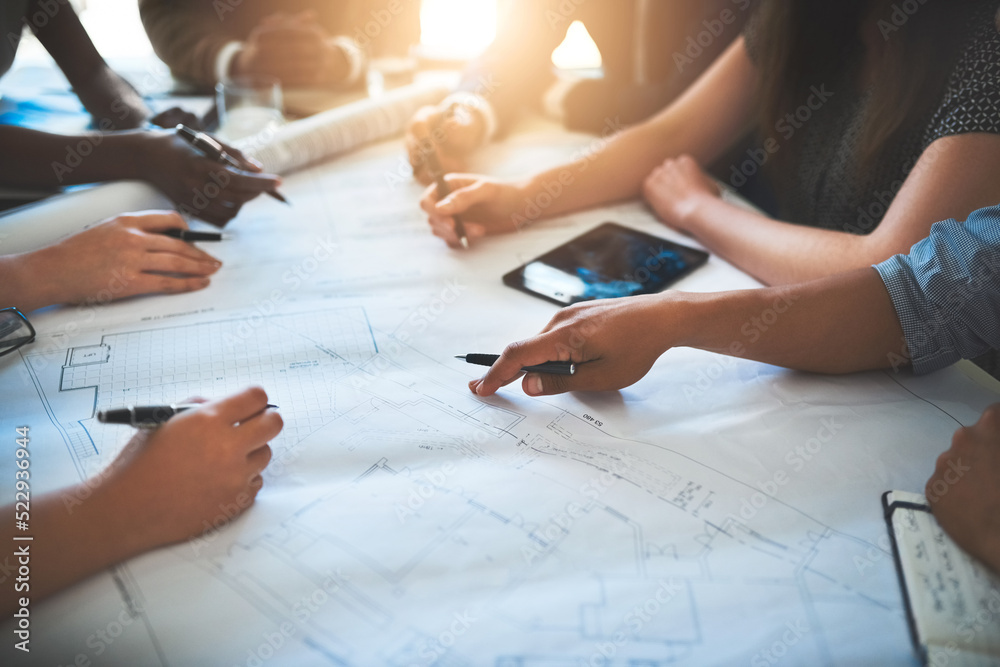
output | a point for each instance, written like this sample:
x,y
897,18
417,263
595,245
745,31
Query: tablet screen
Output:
x,y
607,262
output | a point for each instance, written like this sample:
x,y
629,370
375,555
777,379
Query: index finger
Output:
x,y
157,221
242,406
249,163
530,352
457,183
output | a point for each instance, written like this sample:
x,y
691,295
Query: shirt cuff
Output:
x,y
355,58
927,339
479,104
224,60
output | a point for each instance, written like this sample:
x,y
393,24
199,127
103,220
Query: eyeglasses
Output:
x,y
15,330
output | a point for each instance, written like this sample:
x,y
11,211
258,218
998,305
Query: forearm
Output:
x,y
53,159
840,324
702,123
780,253
188,40
107,96
76,532
607,170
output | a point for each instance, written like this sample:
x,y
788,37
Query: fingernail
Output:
x,y
533,384
204,282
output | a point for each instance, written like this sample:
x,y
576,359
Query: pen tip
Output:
x,y
465,242
460,356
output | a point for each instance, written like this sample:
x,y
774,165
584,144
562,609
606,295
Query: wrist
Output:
x,y
136,154
116,506
109,527
686,317
478,108
690,211
353,63
26,284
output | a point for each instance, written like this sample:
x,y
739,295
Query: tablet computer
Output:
x,y
607,262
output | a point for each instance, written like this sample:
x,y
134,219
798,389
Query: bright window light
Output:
x,y
578,50
459,29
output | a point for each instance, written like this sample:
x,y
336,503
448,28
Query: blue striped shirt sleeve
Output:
x,y
946,292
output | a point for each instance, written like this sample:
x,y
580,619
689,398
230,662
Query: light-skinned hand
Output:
x,y
675,189
591,335
119,258
200,468
453,134
487,206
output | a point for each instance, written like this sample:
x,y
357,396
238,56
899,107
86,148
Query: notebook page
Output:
x,y
955,599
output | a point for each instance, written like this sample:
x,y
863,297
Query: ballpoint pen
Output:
x,y
550,367
211,148
443,189
146,416
191,235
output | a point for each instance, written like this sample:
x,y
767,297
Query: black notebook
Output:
x,y
952,600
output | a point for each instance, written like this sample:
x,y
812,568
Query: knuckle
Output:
x,y
513,349
256,394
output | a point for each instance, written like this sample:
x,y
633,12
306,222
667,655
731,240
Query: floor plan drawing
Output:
x,y
392,485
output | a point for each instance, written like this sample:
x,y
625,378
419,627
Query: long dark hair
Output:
x,y
802,43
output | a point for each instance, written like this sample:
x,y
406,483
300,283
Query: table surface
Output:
x,y
718,511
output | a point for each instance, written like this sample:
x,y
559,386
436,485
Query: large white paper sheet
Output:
x,y
718,512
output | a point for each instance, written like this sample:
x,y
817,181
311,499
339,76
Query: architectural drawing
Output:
x,y
406,522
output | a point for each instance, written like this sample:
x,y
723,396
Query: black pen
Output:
x,y
550,367
190,236
146,416
209,147
443,189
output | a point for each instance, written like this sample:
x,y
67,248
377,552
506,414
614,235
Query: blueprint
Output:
x,y
719,512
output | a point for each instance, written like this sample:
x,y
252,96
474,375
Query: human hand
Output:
x,y
676,189
119,258
487,206
199,185
452,132
294,49
591,335
175,116
201,466
964,491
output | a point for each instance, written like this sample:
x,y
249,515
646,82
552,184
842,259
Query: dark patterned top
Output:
x,y
825,186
